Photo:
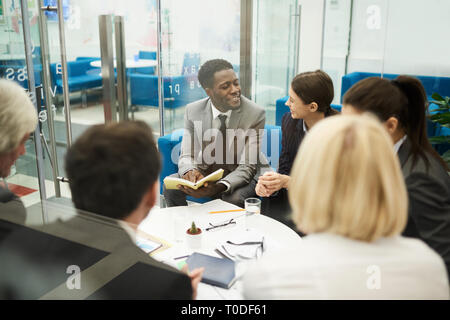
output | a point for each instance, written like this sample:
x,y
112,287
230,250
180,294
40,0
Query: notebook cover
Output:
x,y
218,272
171,182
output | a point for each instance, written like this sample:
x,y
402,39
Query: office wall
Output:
x,y
387,36
411,37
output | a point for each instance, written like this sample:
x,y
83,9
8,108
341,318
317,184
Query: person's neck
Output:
x,y
398,135
313,119
136,217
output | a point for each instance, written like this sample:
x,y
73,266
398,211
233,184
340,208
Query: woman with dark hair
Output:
x,y
401,105
310,97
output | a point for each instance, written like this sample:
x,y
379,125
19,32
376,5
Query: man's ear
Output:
x,y
152,195
313,107
391,125
208,91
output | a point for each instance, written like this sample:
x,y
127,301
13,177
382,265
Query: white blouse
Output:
x,y
328,266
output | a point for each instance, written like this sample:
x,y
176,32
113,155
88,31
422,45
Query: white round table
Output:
x,y
130,63
161,223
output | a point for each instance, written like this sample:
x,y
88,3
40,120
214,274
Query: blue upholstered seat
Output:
x,y
170,146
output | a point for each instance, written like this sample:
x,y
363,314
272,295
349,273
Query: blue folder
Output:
x,y
218,272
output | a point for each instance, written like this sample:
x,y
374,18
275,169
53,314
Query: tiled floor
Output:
x,y
32,182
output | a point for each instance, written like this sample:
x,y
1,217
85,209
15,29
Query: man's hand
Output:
x,y
196,277
273,181
193,175
207,190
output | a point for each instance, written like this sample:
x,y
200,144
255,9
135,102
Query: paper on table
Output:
x,y
147,245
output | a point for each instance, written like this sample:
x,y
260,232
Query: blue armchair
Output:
x,y
178,91
170,146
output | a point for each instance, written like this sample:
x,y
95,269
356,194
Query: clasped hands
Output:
x,y
271,182
209,189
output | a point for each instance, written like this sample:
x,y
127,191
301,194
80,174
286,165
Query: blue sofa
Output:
x,y
170,146
281,109
178,90
440,85
81,75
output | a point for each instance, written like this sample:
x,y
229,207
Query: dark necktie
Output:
x,y
223,132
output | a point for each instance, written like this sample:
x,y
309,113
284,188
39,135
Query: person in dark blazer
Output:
x,y
222,131
113,175
18,119
310,97
401,105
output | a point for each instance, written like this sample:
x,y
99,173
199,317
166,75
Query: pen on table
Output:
x,y
225,211
181,257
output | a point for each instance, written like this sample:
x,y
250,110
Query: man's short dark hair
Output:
x,y
209,68
111,166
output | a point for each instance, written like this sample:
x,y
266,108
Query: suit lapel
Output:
x,y
404,155
206,118
207,124
235,118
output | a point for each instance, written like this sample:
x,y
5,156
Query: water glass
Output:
x,y
252,207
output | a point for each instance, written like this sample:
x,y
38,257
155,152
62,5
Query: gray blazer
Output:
x,y
11,207
35,262
198,121
429,202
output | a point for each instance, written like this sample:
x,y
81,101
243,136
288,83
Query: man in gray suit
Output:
x,y
18,118
222,131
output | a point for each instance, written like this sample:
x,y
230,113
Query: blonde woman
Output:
x,y
347,193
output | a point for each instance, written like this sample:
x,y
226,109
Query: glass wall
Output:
x,y
275,36
359,38
23,177
385,38
189,38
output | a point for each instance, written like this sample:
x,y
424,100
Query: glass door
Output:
x,y
275,50
17,30
194,32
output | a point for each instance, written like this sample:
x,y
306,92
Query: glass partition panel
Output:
x,y
416,45
22,179
274,46
336,43
189,38
353,41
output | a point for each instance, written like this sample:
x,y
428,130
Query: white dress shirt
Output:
x,y
328,266
399,143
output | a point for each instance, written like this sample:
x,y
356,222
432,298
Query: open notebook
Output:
x,y
171,182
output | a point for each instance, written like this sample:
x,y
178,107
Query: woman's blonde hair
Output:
x,y
18,115
347,180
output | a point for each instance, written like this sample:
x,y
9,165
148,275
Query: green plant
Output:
x,y
194,229
442,117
